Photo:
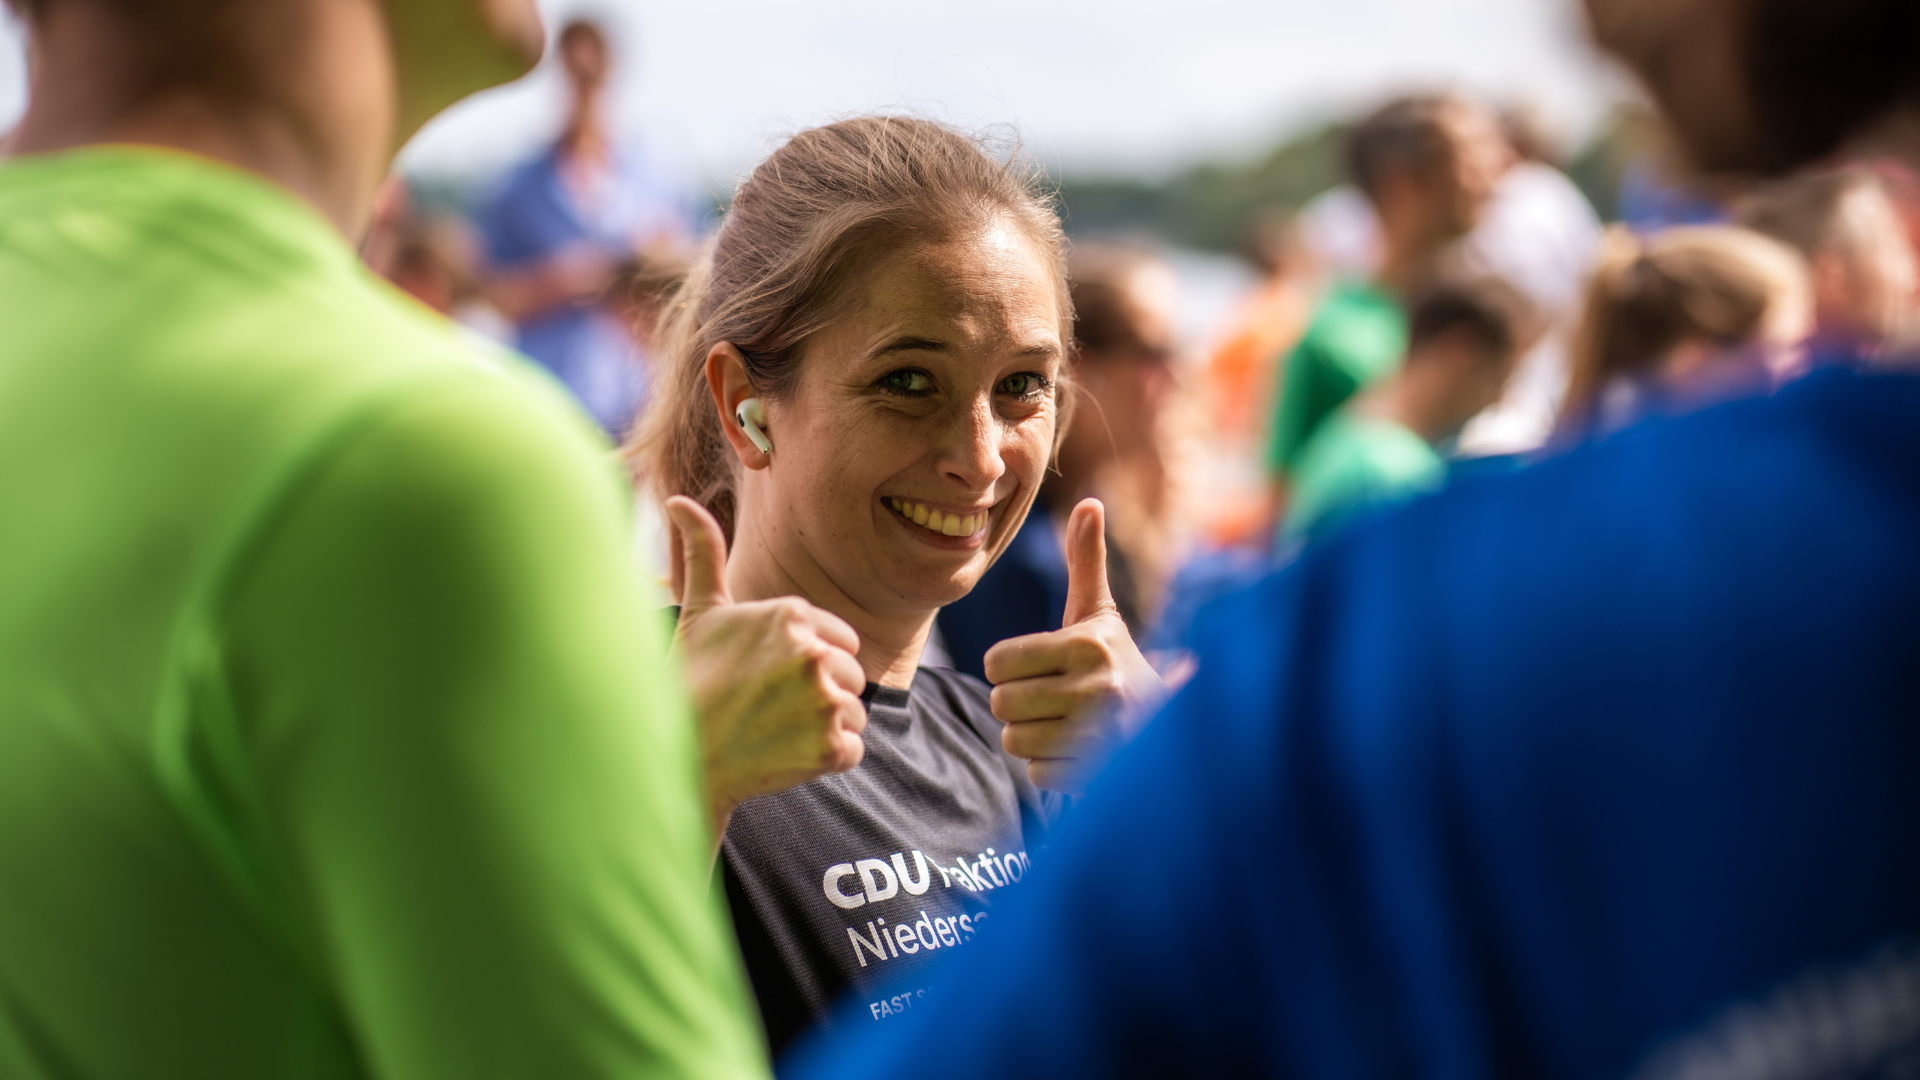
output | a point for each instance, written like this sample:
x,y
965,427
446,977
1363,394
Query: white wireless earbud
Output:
x,y
751,417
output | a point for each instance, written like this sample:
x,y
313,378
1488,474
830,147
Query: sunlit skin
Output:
x,y
938,388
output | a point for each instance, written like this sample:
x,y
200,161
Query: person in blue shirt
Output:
x,y
1609,767
560,231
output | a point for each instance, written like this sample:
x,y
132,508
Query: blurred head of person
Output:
x,y
586,60
1428,165
1687,317
433,263
895,296
1123,358
1767,86
1463,338
585,56
1844,223
430,256
317,94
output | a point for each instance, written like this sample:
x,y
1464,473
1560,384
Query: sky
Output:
x,y
1135,87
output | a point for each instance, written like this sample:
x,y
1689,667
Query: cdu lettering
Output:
x,y
876,891
831,885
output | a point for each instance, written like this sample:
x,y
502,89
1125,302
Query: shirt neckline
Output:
x,y
890,697
269,211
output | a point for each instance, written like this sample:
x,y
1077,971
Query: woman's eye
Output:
x,y
1027,384
907,381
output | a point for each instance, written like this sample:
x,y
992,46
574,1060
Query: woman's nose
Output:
x,y
971,451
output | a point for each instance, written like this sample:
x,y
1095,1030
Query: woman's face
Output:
x,y
908,453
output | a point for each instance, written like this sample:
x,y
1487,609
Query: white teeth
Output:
x,y
937,521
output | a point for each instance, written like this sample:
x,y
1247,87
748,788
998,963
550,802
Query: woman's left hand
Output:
x,y
1072,697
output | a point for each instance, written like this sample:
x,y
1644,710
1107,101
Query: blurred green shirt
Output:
x,y
334,741
1356,463
1357,335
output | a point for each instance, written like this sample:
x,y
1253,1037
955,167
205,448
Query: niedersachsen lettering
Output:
x,y
880,880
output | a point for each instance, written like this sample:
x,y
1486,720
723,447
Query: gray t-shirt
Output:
x,y
860,881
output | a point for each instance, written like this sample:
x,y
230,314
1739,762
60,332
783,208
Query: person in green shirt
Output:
x,y
1427,166
335,738
1380,447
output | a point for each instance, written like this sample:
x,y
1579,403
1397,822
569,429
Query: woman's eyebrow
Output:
x,y
911,344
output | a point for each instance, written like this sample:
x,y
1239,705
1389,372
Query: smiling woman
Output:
x,y
886,305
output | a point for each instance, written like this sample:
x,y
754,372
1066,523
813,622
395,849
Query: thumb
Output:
x,y
1087,592
700,557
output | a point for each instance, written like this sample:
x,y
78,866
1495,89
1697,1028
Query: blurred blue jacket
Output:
x,y
1023,592
1611,764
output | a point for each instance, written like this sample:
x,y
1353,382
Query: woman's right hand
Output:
x,y
775,683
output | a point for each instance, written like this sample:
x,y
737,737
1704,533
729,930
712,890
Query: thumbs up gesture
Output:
x,y
1072,697
775,682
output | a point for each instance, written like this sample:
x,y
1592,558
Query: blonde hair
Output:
x,y
1817,211
1647,297
800,231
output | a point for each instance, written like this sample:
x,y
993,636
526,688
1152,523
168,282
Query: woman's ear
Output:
x,y
727,381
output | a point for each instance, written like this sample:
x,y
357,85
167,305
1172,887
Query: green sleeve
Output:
x,y
1349,468
1356,336
1302,403
473,764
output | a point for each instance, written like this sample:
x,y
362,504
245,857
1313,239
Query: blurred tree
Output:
x,y
1207,205
1210,205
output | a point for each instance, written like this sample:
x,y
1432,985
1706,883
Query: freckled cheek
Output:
x,y
827,478
867,457
1025,451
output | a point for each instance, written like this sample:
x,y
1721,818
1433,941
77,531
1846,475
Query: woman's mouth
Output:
x,y
946,524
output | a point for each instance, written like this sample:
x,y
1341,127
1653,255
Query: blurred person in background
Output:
x,y
864,396
1692,316
1602,768
430,258
335,737
563,228
1540,235
1115,447
1427,165
1386,444
1846,226
1237,386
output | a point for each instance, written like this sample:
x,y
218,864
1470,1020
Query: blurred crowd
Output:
x,y
1456,307
339,736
